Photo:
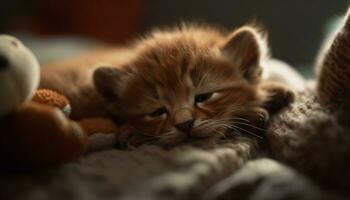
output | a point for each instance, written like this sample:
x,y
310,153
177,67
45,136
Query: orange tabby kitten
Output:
x,y
188,84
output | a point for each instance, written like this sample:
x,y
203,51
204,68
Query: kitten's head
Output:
x,y
185,84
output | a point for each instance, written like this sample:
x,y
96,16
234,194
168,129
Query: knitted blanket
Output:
x,y
147,172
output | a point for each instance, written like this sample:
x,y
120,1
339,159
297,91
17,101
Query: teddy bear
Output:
x,y
35,128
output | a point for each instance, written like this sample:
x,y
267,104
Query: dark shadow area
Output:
x,y
296,28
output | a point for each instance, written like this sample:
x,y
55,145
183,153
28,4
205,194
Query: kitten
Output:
x,y
188,84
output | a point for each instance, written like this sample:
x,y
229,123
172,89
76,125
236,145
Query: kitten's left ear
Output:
x,y
245,48
107,81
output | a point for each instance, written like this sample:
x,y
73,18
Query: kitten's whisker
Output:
x,y
207,123
249,132
233,127
233,118
250,125
230,127
240,118
220,133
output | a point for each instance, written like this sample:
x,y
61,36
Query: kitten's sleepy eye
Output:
x,y
159,112
203,97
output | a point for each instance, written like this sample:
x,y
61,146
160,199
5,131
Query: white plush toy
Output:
x,y
19,74
33,129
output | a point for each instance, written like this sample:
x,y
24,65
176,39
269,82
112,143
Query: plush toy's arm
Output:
x,y
89,125
38,133
41,135
52,98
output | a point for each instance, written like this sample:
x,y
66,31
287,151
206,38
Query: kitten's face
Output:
x,y
182,90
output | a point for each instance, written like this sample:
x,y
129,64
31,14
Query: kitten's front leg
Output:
x,y
279,96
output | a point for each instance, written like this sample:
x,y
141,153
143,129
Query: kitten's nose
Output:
x,y
4,62
185,126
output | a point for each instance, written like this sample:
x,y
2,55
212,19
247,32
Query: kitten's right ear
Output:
x,y
246,47
107,81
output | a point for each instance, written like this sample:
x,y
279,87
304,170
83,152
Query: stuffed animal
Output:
x,y
34,127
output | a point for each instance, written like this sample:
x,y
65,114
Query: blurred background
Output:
x,y
55,29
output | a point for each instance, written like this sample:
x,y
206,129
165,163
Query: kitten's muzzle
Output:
x,y
184,120
185,127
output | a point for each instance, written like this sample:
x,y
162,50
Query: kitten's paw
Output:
x,y
254,123
262,117
259,118
279,96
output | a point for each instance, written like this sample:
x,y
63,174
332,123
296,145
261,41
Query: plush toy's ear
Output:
x,y
107,81
246,47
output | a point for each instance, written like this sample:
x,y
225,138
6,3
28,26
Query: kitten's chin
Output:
x,y
203,133
195,138
202,142
198,137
